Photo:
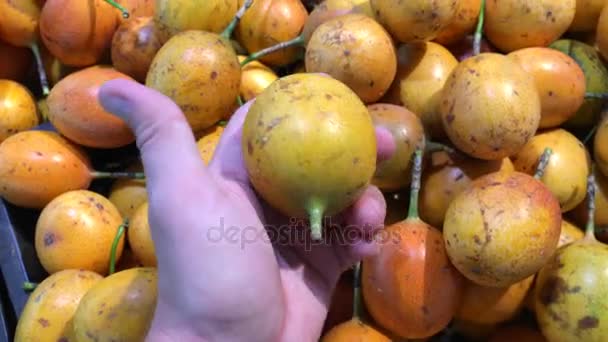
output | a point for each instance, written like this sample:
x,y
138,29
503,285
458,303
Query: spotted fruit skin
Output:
x,y
356,50
268,22
568,168
490,107
201,73
502,229
414,20
75,111
175,16
287,163
422,71
462,24
448,174
37,166
76,230
407,131
559,79
410,287
570,293
515,24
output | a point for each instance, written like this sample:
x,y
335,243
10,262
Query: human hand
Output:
x,y
216,286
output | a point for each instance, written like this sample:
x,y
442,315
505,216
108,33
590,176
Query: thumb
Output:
x,y
164,137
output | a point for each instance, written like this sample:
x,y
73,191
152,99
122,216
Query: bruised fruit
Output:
x,y
423,68
560,82
586,15
134,45
407,131
515,24
409,286
255,77
568,168
75,111
48,312
77,32
208,142
18,110
355,50
128,194
200,72
14,61
491,305
462,24
175,16
268,22
489,106
288,166
414,20
19,20
118,308
37,166
447,175
502,229
76,230
571,289
140,238
596,78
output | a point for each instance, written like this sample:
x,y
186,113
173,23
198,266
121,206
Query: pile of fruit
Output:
x,y
501,153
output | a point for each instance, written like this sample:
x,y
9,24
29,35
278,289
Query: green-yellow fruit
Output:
x,y
48,313
118,308
200,72
309,146
596,77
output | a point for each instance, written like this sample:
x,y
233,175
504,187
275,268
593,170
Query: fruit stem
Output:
x,y
117,237
222,123
125,174
602,96
357,304
227,33
44,83
415,185
590,227
479,29
315,213
297,41
239,100
432,146
125,13
29,286
542,163
590,134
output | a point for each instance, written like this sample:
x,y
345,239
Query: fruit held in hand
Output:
x,y
200,72
489,106
76,113
309,146
502,229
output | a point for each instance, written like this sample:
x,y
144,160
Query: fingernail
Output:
x,y
114,103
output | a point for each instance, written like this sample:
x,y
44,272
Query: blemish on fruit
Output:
x,y
44,322
49,239
588,322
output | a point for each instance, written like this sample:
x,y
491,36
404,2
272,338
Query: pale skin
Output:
x,y
237,287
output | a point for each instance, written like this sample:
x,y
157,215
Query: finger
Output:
x,y
227,159
164,137
368,213
385,144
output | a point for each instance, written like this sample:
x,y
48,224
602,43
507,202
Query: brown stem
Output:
x,y
415,184
227,33
590,228
542,163
124,174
